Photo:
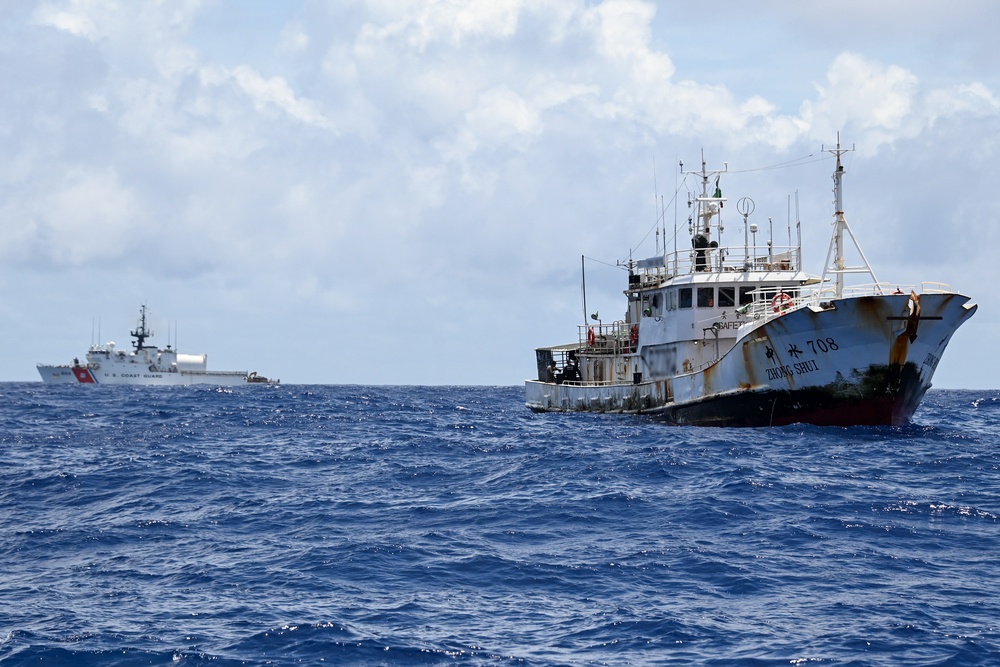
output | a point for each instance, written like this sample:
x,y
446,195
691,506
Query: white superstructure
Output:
x,y
739,335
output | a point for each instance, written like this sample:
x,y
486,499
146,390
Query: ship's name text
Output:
x,y
790,370
931,360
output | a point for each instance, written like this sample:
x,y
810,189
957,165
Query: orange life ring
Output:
x,y
591,337
781,302
634,334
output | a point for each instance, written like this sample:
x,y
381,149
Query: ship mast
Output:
x,y
706,206
141,333
839,267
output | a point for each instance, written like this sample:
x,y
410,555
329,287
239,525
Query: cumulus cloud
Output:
x,y
973,99
392,163
877,100
73,19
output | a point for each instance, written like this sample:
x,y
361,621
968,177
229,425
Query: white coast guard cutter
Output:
x,y
143,365
741,336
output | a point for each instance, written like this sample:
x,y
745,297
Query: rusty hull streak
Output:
x,y
913,316
750,360
901,345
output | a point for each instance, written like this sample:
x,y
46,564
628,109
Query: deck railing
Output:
x,y
876,289
619,337
773,302
718,260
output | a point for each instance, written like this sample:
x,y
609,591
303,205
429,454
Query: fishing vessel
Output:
x,y
740,335
144,365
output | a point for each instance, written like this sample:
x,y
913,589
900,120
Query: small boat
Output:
x,y
144,365
739,335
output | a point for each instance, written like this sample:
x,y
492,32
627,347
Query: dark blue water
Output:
x,y
451,526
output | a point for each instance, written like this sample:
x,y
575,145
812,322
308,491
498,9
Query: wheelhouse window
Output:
x,y
727,297
684,297
706,297
652,305
746,295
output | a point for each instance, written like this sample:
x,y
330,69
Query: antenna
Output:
x,y
677,188
838,267
141,333
770,240
656,200
798,228
745,207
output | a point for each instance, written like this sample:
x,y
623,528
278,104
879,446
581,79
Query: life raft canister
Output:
x,y
781,302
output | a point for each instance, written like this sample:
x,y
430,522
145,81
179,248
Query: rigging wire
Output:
x,y
659,217
600,261
797,162
805,159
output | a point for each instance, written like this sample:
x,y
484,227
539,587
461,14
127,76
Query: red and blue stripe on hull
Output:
x,y
83,375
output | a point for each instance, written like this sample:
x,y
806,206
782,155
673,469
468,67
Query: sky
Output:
x,y
401,191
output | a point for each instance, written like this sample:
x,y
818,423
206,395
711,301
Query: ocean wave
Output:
x,y
450,525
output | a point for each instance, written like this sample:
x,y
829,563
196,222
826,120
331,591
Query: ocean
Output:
x,y
354,525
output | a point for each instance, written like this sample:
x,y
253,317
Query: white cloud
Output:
x,y
92,217
419,24
293,38
433,166
623,35
973,99
76,18
109,19
275,92
876,100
